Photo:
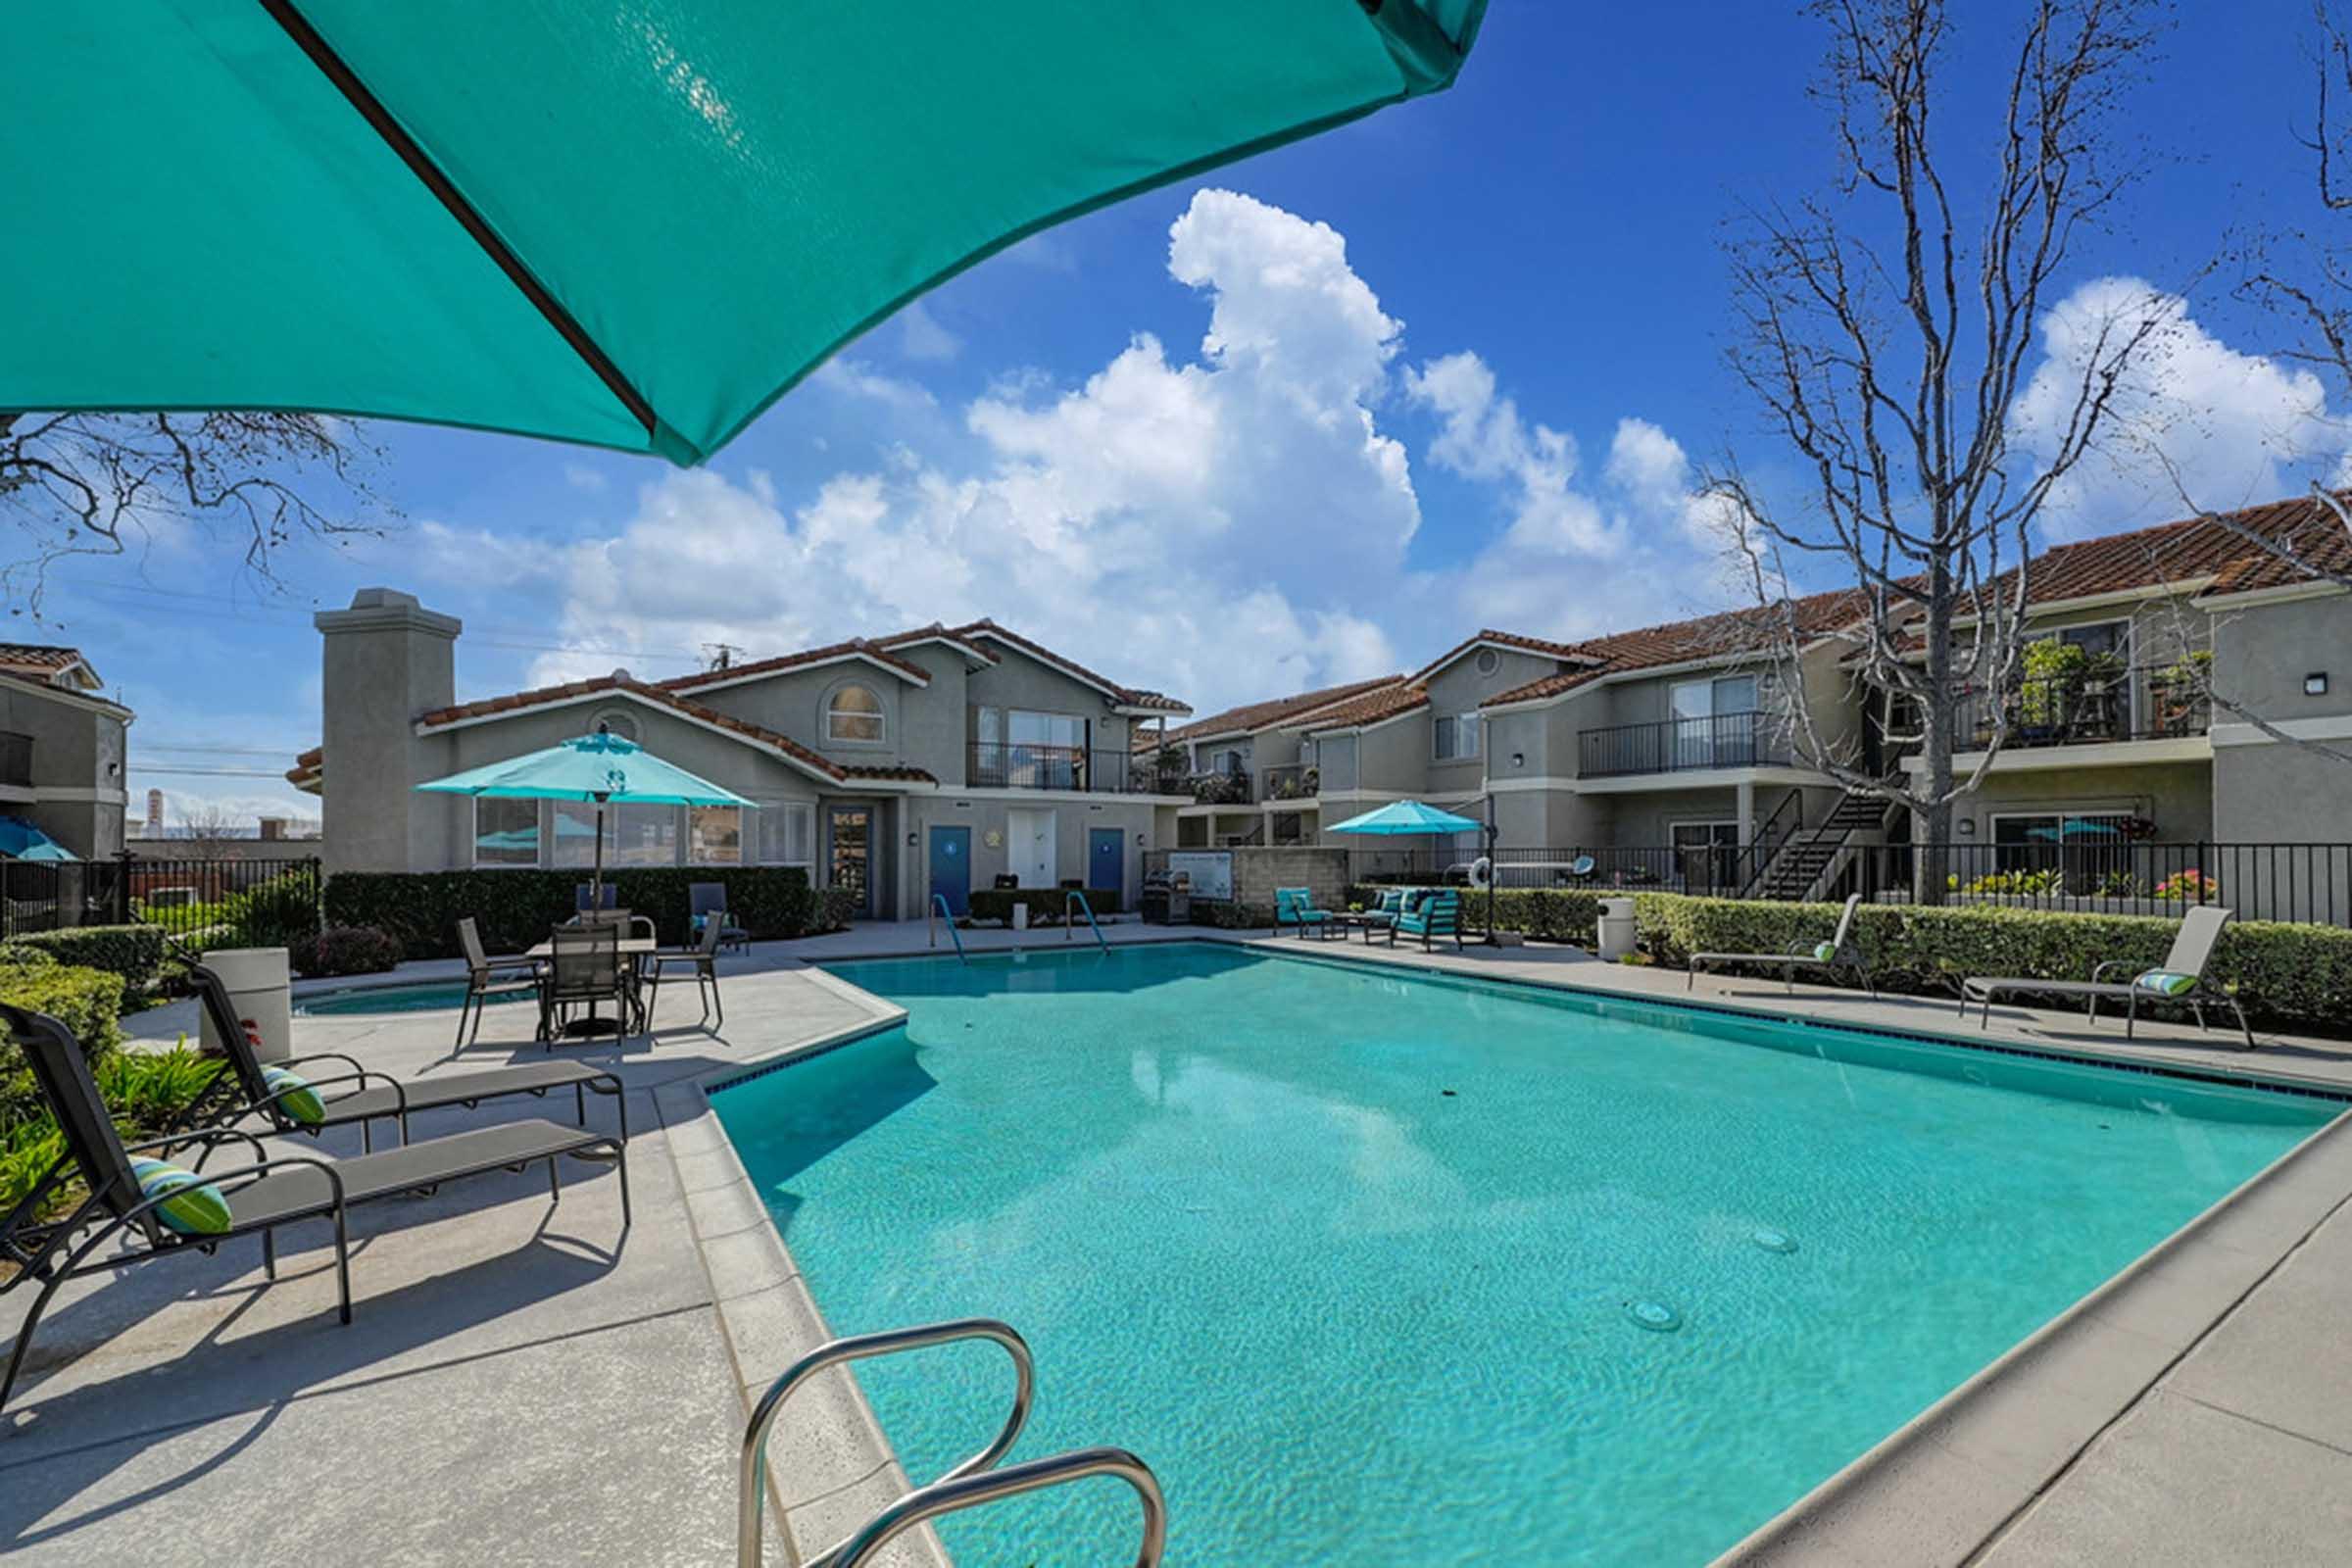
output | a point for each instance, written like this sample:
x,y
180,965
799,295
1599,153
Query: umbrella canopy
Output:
x,y
597,767
1402,817
634,225
2076,828
20,840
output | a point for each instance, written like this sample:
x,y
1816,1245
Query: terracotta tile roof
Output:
x,y
806,655
1127,696
660,697
933,632
309,767
38,658
1260,716
1676,642
1506,638
2195,547
1385,702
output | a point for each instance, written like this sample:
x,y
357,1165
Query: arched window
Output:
x,y
853,713
615,723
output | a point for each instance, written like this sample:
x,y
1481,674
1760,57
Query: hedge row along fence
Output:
x,y
2287,975
135,952
516,908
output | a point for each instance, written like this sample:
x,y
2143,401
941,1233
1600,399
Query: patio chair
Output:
x,y
157,1208
1384,914
488,979
604,896
295,1103
708,901
702,958
1297,907
1436,915
1839,954
585,967
1580,869
2181,980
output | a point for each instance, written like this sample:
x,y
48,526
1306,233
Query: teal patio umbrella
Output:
x,y
601,767
1400,817
20,840
631,224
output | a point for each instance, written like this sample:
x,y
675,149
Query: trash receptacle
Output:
x,y
1617,931
256,981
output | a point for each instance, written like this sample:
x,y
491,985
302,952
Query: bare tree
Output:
x,y
210,832
1885,328
76,484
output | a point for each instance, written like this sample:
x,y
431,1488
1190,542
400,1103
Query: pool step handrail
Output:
x,y
972,1492
751,1477
1070,931
939,910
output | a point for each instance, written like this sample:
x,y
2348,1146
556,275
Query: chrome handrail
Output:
x,y
1070,927
939,902
751,1467
950,1496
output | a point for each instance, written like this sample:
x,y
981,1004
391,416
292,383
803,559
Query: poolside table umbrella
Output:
x,y
20,840
601,767
633,226
1400,818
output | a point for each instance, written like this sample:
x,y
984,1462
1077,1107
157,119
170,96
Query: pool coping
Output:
x,y
1937,1489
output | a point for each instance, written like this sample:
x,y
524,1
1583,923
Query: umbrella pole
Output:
x,y
596,877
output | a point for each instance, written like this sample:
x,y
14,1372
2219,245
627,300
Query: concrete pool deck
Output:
x,y
528,1384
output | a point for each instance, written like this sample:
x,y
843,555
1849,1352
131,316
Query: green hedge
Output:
x,y
88,1001
516,908
134,952
1045,903
1549,915
2288,976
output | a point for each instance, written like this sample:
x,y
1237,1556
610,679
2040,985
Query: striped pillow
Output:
x,y
1825,951
2167,982
295,1097
195,1206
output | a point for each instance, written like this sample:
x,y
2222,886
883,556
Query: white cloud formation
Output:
x,y
2196,424
1224,525
922,337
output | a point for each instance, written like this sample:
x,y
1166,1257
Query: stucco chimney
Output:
x,y
383,661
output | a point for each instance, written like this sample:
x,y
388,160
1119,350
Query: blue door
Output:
x,y
1107,861
952,866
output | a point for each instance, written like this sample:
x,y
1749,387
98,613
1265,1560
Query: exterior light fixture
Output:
x,y
2315,684
1518,759
1968,827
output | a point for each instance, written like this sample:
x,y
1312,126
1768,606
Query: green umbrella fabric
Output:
x,y
1400,817
597,767
630,225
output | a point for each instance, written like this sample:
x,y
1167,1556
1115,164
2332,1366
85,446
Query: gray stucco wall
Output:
x,y
792,701
78,753
382,661
1074,821
2278,793
2179,797
2260,653
1016,680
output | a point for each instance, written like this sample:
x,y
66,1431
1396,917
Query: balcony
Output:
x,y
16,761
2131,704
1296,782
1752,739
1012,765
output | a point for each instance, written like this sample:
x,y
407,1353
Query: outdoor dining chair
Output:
x,y
584,968
701,959
489,979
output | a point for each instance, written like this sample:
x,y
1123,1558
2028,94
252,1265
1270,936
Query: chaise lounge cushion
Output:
x,y
196,1207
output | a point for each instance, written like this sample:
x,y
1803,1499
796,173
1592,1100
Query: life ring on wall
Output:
x,y
1481,872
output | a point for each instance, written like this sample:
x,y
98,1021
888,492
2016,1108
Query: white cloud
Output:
x,y
922,337
1221,526
580,476
2194,417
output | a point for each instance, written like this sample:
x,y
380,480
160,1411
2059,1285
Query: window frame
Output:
x,y
1463,730
879,715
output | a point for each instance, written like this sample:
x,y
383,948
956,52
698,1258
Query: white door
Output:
x,y
1029,846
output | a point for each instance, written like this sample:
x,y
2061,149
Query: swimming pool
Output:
x,y
415,996
1371,1266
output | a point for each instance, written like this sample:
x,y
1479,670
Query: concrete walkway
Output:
x,y
526,1384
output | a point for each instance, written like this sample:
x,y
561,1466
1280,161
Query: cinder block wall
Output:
x,y
1258,871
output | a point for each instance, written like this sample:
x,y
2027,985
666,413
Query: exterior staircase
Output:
x,y
1811,858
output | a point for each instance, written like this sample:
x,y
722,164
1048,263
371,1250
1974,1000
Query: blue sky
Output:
x,y
1309,419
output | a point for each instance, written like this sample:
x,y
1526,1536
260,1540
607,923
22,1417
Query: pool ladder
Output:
x,y
939,911
970,1485
1070,926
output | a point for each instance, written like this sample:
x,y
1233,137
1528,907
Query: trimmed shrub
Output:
x,y
516,908
2293,976
281,913
1043,904
146,1089
88,1001
347,949
1548,914
1224,916
134,952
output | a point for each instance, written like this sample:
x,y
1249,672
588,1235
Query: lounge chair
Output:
x,y
1840,953
703,960
1297,907
293,1102
708,901
2181,980
1436,915
159,1211
488,979
1383,914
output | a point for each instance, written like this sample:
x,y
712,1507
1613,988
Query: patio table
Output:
x,y
632,948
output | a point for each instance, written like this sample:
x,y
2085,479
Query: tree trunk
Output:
x,y
1939,716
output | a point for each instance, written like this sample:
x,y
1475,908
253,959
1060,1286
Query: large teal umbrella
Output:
x,y
601,767
634,223
1400,817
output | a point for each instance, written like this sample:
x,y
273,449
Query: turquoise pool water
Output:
x,y
421,997
1355,1260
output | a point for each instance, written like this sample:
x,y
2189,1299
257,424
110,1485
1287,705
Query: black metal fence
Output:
x,y
203,902
993,764
2307,883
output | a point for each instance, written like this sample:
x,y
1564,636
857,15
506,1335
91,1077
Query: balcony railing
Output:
x,y
1682,745
1011,765
16,760
2131,704
1296,782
